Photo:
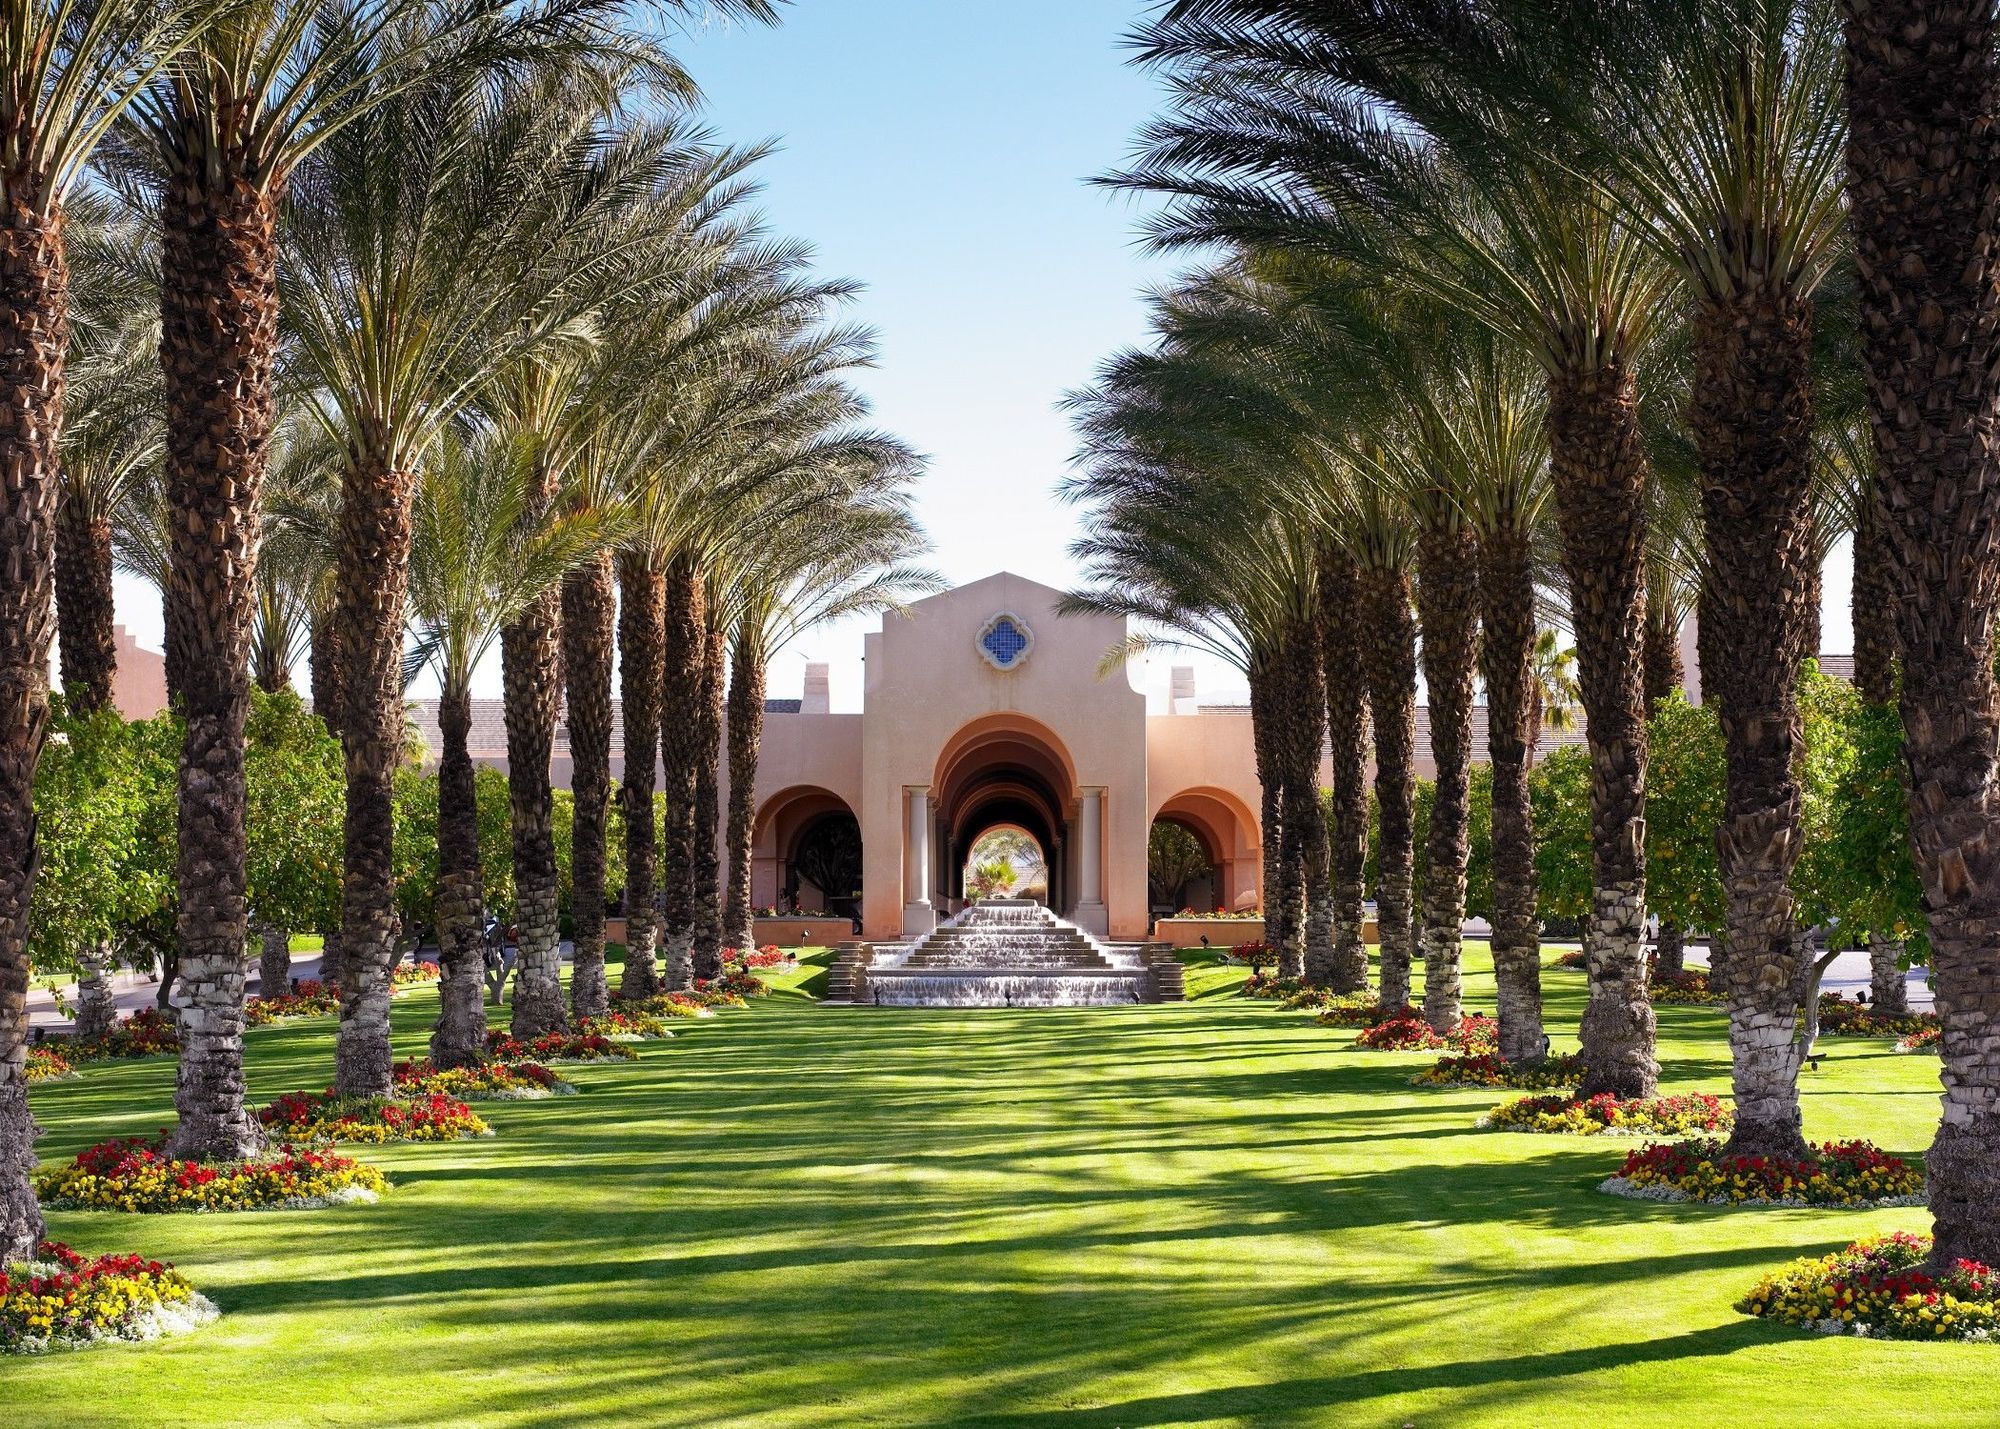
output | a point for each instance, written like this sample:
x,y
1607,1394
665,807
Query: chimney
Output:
x,y
1181,695
818,696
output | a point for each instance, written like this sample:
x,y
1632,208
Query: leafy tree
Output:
x,y
1174,858
1684,802
1560,791
97,795
296,794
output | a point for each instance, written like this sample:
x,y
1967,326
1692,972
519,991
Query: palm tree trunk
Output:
x,y
588,611
1873,609
641,634
1752,421
218,351
1599,470
680,752
34,331
1267,744
1347,735
1390,659
86,613
96,1004
1305,814
532,676
1506,657
1448,615
1922,81
1875,677
1664,673
459,1038
274,962
746,737
326,683
707,862
372,580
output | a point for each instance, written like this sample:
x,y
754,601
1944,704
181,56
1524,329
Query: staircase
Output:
x,y
1005,952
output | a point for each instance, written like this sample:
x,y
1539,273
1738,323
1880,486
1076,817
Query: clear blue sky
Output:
x,y
937,150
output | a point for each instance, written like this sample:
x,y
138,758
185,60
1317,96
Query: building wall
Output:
x,y
926,682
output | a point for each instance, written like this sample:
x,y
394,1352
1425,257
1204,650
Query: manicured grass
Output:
x,y
1216,1213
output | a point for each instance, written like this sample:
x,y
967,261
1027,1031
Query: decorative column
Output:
x,y
1090,910
918,915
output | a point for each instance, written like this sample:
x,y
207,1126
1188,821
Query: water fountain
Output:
x,y
1004,952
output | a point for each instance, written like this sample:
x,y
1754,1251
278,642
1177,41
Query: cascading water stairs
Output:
x,y
1004,952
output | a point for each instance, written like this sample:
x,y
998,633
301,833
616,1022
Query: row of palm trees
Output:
x,y
1582,306
402,330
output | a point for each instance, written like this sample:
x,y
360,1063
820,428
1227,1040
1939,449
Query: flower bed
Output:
x,y
729,990
1410,1033
1683,989
622,1025
46,1064
322,1116
64,1300
1882,1288
1357,1009
1269,985
664,1005
504,1080
1928,1039
414,974
138,1175
768,956
1250,954
148,1032
1840,1018
1607,1115
1575,958
1490,1069
566,1046
312,998
1312,998
1839,1173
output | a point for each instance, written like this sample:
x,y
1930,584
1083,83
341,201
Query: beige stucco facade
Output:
x,y
954,740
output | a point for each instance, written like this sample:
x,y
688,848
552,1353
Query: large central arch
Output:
x,y
1005,769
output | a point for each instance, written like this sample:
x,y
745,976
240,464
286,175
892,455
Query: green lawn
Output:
x,y
1216,1213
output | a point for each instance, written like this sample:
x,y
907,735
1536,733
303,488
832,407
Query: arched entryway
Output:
x,y
1226,828
1005,770
806,852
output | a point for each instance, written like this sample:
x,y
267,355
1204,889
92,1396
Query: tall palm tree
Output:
x,y
1921,142
837,540
111,437
1189,536
217,141
484,547
656,183
70,68
431,244
1719,128
1347,719
1350,130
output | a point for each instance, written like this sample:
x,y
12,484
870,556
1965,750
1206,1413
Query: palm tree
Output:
x,y
431,244
1921,121
661,185
70,68
1347,719
216,141
1352,131
836,539
1190,537
1718,127
483,548
111,439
